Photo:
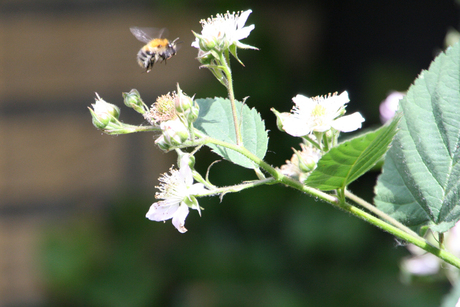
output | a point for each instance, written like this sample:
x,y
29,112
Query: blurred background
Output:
x,y
73,230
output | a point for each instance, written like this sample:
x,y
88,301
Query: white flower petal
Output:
x,y
243,33
348,123
301,100
336,102
243,18
186,171
197,188
179,218
296,126
162,210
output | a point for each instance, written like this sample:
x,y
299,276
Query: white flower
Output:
x,y
320,114
177,191
223,31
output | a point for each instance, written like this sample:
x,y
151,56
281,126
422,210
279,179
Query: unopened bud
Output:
x,y
186,159
280,118
103,113
182,102
193,113
204,43
133,100
174,132
306,163
161,142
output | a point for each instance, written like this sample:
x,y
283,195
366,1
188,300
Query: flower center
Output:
x,y
319,111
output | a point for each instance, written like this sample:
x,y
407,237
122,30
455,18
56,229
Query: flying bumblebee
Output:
x,y
157,49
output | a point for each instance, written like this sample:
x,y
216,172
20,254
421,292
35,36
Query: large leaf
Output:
x,y
216,120
420,184
351,159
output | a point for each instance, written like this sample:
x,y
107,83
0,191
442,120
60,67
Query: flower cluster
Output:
x,y
174,114
318,120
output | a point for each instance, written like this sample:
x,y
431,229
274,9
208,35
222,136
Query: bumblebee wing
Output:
x,y
145,35
141,34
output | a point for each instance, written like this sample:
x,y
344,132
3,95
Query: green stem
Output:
x,y
225,61
416,240
379,213
121,128
236,188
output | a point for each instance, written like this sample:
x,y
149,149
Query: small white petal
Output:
x,y
301,100
334,103
197,188
243,18
243,33
162,210
348,123
179,218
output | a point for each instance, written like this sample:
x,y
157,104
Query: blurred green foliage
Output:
x,y
269,247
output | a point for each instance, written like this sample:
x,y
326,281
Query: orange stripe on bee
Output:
x,y
158,43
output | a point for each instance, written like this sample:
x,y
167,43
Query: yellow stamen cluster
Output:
x,y
162,110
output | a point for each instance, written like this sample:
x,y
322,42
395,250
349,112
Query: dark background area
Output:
x,y
73,230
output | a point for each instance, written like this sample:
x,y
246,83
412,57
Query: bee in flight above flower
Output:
x,y
157,49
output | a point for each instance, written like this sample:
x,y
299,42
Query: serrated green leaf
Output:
x,y
420,183
351,159
216,120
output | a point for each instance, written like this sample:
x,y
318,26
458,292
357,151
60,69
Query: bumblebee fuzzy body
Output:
x,y
156,49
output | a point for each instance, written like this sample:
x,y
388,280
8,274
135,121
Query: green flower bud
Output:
x,y
174,132
182,102
193,113
306,163
103,113
280,118
162,144
133,100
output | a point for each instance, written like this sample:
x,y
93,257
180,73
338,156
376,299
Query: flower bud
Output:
x,y
103,113
161,142
174,132
186,159
280,118
193,113
182,102
134,100
205,44
306,163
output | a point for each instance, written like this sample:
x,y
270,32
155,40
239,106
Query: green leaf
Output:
x,y
216,120
420,183
351,159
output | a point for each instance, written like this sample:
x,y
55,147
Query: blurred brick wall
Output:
x,y
51,158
